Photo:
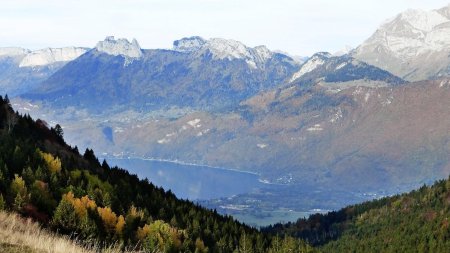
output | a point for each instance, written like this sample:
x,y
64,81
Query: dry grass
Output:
x,y
23,235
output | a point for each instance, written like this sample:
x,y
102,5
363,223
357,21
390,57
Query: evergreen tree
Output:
x,y
59,131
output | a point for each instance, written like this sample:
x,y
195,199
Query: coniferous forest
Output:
x,y
412,222
75,194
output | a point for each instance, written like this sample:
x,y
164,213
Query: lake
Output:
x,y
191,182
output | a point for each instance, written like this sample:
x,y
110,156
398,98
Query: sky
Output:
x,y
299,27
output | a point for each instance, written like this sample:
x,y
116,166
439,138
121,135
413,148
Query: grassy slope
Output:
x,y
25,236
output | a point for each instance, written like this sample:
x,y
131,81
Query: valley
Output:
x,y
327,138
240,194
213,134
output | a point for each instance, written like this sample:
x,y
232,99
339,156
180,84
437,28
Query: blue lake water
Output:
x,y
191,182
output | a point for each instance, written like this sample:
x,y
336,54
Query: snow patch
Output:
x,y
366,97
423,20
228,49
316,127
163,141
408,35
118,130
223,49
232,49
338,115
194,123
310,65
357,91
262,145
201,133
341,65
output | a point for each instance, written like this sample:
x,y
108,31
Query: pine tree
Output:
x,y
245,244
59,131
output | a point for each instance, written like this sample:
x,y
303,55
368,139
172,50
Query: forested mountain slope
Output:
x,y
412,222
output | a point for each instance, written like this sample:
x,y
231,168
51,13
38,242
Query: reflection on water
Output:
x,y
191,181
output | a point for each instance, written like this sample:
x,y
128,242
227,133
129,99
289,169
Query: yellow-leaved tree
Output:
x,y
81,205
53,163
161,236
109,219
19,191
120,225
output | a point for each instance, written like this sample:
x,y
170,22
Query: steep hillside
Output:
x,y
19,235
341,72
43,178
414,45
197,73
411,222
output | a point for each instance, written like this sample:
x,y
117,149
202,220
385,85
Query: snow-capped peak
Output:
x,y
221,49
401,44
189,44
227,49
312,63
13,51
48,56
119,47
422,20
445,11
263,53
232,49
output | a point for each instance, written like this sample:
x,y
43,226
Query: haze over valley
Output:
x,y
248,131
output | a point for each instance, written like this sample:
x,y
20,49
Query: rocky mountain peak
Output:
x,y
120,47
222,49
312,63
189,44
13,51
421,19
400,44
48,56
445,11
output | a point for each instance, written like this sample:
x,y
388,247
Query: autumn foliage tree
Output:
x,y
53,163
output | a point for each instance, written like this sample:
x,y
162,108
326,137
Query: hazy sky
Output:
x,y
300,27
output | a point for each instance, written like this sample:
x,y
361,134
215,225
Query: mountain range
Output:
x,y
22,70
196,73
373,119
403,44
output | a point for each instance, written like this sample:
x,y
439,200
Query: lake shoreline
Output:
x,y
187,164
